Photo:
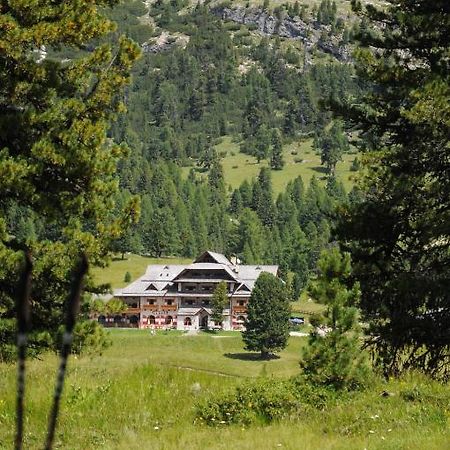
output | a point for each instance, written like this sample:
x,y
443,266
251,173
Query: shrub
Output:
x,y
89,338
127,277
234,167
261,401
298,160
355,166
294,152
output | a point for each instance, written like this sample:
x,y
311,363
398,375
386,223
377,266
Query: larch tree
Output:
x,y
332,144
267,324
56,162
398,232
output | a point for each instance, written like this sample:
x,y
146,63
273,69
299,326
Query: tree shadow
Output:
x,y
319,169
250,356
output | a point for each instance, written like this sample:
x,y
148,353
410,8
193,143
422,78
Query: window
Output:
x,y
151,302
187,322
241,303
151,320
190,302
206,302
169,320
169,302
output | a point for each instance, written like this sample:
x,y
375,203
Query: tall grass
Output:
x,y
141,395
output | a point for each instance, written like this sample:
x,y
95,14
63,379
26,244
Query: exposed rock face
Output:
x,y
288,27
164,43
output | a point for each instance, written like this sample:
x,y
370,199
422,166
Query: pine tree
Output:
x,y
55,158
267,325
219,302
399,234
334,356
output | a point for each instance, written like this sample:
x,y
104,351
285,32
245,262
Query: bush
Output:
x,y
298,160
234,167
127,277
89,338
262,401
294,152
355,166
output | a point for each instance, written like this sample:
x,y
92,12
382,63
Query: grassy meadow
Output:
x,y
141,394
114,274
300,159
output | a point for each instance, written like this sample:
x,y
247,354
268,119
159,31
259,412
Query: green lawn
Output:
x,y
239,166
141,394
135,264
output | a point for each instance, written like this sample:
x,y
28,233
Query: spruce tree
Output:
x,y
267,325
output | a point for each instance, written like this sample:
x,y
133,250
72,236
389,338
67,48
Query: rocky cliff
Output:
x,y
288,27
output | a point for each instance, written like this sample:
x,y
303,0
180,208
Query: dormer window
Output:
x,y
169,302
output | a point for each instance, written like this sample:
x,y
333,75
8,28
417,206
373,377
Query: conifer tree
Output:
x,y
219,302
276,159
334,356
398,233
267,325
332,145
55,158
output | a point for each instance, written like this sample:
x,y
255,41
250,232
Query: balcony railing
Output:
x,y
168,307
133,310
160,307
151,307
240,309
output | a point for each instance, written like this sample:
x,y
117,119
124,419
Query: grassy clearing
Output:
x,y
134,397
135,264
239,166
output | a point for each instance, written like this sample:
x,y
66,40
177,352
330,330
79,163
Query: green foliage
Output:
x,y
219,301
276,159
332,145
260,402
398,231
89,338
334,356
127,277
56,163
267,326
115,306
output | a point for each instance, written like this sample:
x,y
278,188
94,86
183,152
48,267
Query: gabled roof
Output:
x,y
206,267
208,257
159,280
